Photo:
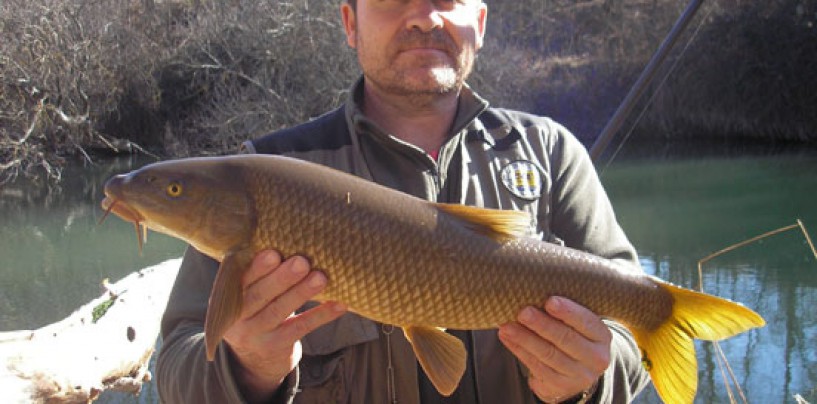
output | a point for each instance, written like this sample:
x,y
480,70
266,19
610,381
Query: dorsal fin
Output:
x,y
500,225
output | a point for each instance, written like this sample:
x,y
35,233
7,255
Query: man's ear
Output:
x,y
349,23
482,16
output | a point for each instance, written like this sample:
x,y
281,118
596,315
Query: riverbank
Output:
x,y
175,78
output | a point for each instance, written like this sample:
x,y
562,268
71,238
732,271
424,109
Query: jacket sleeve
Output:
x,y
583,217
183,374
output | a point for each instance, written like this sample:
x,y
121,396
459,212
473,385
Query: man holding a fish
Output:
x,y
412,124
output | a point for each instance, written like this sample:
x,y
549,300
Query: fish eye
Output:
x,y
174,189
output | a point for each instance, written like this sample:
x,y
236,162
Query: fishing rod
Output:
x,y
646,77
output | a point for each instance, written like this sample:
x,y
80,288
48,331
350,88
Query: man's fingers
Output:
x,y
568,338
264,262
537,354
578,317
552,376
279,309
588,342
581,333
277,280
297,326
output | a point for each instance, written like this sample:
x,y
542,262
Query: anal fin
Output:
x,y
442,356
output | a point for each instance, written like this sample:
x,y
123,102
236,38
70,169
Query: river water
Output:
x,y
676,210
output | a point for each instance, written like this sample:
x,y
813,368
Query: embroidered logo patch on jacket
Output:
x,y
523,179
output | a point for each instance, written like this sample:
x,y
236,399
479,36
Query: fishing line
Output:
x,y
658,89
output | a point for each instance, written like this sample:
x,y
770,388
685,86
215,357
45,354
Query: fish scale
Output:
x,y
401,260
441,290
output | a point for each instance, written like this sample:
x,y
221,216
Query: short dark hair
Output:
x,y
352,3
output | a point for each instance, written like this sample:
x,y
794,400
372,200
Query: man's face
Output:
x,y
415,47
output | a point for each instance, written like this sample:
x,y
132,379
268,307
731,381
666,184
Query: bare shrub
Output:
x,y
247,70
63,72
177,78
82,77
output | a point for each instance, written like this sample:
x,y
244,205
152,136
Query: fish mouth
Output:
x,y
127,213
121,209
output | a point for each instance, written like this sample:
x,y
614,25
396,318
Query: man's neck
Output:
x,y
424,121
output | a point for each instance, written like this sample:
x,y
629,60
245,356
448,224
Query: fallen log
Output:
x,y
104,345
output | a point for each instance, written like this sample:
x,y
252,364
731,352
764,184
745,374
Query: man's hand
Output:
x,y
566,348
266,337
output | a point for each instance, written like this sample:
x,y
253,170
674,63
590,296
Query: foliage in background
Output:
x,y
174,78
178,78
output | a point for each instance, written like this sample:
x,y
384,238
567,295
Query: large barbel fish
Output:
x,y
401,260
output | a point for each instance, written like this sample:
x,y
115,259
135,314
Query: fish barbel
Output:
x,y
401,260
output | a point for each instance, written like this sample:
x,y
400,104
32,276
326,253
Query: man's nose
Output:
x,y
424,16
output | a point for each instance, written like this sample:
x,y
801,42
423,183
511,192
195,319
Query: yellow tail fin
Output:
x,y
668,352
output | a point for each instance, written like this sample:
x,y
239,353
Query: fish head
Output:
x,y
201,201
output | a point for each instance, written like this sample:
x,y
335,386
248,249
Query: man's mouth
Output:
x,y
435,41
426,49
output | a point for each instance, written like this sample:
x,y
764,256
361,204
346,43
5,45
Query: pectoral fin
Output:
x,y
225,299
441,355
